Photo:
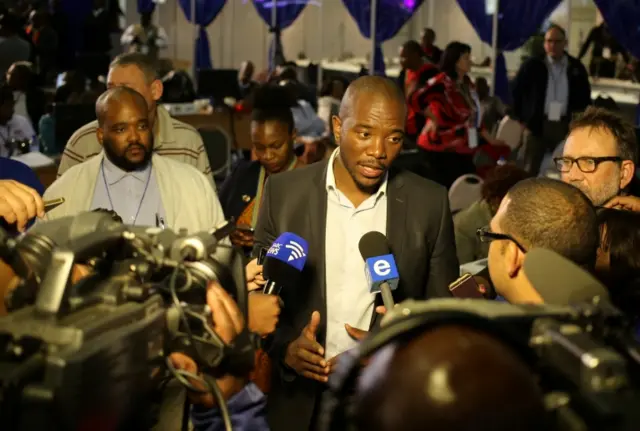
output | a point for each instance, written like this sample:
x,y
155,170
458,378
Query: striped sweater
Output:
x,y
173,139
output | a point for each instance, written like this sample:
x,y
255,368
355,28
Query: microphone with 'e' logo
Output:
x,y
380,266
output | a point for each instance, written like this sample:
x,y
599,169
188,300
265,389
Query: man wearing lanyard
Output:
x,y
547,92
143,188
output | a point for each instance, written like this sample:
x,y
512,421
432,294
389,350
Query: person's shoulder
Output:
x,y
84,134
68,179
179,169
417,184
574,63
184,130
298,178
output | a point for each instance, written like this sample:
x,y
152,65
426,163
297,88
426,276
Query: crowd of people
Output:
x,y
330,169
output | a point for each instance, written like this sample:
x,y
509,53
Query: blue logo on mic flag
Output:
x,y
290,249
379,269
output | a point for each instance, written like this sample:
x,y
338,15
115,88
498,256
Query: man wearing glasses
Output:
x,y
599,155
538,213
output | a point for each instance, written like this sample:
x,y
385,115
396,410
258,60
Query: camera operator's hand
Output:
x,y
253,273
19,203
305,355
228,323
263,313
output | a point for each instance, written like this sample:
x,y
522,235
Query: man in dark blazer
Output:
x,y
547,92
331,205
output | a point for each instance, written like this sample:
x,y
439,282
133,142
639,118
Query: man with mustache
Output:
x,y
332,205
145,189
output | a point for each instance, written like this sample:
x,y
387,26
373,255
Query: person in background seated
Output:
x,y
329,99
605,53
467,222
427,42
14,128
600,155
538,213
245,79
143,188
618,260
273,135
547,92
416,73
30,101
173,139
145,38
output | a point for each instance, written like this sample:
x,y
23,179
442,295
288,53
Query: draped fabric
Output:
x,y
622,18
287,11
518,20
146,6
206,13
391,16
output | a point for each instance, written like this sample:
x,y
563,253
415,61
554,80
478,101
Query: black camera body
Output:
x,y
94,353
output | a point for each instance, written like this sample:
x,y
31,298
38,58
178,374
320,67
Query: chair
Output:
x,y
217,144
464,191
510,131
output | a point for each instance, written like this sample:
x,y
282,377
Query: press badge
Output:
x,y
555,111
473,137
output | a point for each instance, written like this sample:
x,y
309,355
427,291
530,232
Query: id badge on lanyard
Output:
x,y
472,133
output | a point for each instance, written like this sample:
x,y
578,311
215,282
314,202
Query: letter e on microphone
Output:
x,y
380,269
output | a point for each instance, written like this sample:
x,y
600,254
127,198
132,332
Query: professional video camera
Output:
x,y
586,361
95,353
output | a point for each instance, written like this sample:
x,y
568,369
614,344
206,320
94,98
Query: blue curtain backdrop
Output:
x,y
623,19
146,6
287,11
391,16
206,13
518,20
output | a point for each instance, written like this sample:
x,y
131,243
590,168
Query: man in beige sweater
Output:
x,y
173,138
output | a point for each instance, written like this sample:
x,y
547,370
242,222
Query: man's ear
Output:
x,y
336,122
100,135
514,259
156,89
627,171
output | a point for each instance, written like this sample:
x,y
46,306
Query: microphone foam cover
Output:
x,y
373,244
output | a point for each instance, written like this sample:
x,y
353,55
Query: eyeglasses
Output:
x,y
585,164
485,235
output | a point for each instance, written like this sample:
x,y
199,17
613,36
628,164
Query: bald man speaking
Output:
x,y
128,178
332,205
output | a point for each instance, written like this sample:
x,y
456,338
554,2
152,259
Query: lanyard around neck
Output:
x,y
144,193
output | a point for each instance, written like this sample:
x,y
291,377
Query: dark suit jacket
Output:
x,y
240,188
420,234
530,90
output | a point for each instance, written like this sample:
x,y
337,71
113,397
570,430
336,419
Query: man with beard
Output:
x,y
127,177
599,156
332,205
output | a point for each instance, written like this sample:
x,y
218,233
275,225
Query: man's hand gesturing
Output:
x,y
305,355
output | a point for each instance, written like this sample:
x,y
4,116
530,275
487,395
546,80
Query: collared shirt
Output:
x,y
126,193
172,138
557,84
17,128
348,297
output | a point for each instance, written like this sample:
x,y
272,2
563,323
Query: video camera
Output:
x,y
584,356
94,353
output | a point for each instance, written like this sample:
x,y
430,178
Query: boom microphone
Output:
x,y
380,266
559,281
284,262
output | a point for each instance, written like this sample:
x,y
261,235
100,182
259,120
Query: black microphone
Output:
x,y
283,262
380,266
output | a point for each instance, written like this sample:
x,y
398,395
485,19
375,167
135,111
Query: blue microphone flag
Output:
x,y
290,249
379,269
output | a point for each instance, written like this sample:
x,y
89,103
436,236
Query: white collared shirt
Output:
x,y
347,293
557,84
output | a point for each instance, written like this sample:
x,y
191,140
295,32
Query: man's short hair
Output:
x,y
141,61
273,102
622,130
547,213
412,46
557,27
116,94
